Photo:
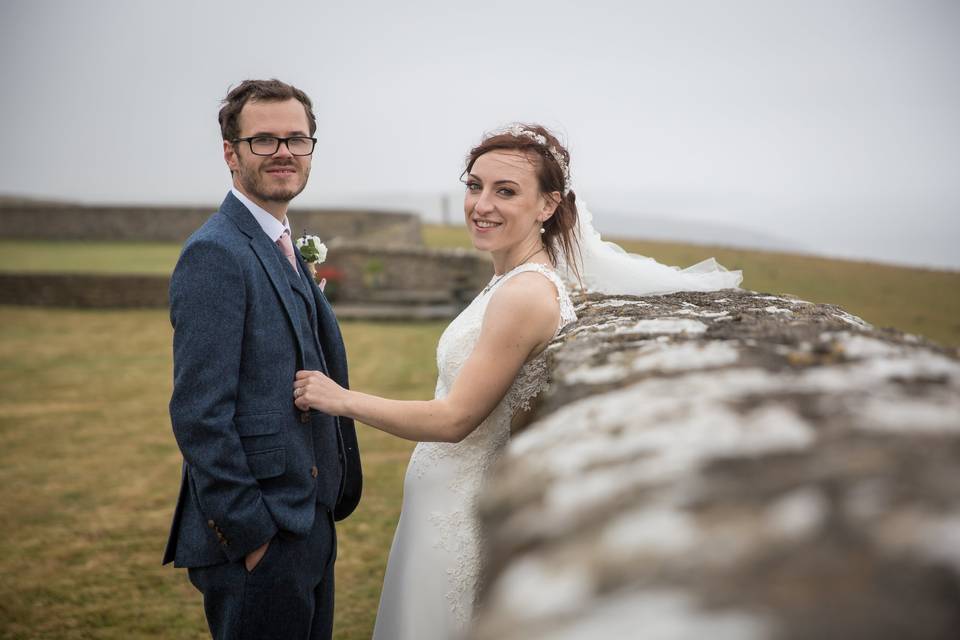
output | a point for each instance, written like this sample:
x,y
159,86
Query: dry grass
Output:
x,y
90,470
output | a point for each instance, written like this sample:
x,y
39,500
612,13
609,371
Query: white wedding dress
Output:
x,y
434,566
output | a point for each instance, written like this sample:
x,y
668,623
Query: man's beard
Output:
x,y
253,183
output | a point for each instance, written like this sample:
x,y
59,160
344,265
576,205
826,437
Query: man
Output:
x,y
262,482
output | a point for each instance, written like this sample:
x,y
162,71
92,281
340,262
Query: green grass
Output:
x,y
95,257
90,469
919,301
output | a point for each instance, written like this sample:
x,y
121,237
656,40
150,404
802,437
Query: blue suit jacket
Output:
x,y
248,451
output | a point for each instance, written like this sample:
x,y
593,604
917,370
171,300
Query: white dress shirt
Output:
x,y
270,225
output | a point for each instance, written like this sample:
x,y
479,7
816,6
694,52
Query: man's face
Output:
x,y
276,178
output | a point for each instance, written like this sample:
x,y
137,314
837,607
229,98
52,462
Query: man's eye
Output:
x,y
262,140
299,142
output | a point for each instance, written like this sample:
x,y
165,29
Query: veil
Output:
x,y
605,267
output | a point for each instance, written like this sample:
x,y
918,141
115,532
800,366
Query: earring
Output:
x,y
542,231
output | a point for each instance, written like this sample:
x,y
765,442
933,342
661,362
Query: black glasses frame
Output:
x,y
249,140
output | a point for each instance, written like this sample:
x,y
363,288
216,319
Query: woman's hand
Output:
x,y
313,390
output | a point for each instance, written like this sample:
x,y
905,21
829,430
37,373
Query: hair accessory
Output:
x,y
517,130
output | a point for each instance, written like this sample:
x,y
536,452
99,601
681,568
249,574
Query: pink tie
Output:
x,y
286,246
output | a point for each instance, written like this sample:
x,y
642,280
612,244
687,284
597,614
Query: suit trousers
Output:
x,y
287,596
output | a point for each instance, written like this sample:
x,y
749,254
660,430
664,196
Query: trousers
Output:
x,y
288,595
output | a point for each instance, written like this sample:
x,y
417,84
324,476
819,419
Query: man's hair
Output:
x,y
259,90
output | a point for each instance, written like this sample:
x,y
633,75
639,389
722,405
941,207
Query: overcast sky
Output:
x,y
832,126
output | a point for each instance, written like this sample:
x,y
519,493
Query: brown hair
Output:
x,y
550,177
259,90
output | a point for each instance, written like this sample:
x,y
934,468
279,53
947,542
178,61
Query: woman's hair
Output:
x,y
550,160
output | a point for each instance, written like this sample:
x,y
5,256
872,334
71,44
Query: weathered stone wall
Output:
x,y
437,281
370,272
729,466
57,221
84,290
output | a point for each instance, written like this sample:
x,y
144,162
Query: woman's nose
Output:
x,y
484,203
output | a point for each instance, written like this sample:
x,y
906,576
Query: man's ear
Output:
x,y
230,156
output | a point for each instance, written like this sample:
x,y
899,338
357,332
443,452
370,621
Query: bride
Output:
x,y
518,207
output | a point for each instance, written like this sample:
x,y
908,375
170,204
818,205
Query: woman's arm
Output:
x,y
520,320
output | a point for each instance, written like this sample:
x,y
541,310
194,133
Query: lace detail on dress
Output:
x,y
532,379
458,531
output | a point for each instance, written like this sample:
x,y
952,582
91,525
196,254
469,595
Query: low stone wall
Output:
x,y
56,221
84,290
729,466
376,273
394,282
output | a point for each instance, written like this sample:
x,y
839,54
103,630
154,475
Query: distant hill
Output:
x,y
663,228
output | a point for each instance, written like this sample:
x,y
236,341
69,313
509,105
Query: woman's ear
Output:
x,y
550,203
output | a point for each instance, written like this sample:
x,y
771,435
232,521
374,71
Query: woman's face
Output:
x,y
503,206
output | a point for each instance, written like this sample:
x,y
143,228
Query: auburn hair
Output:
x,y
558,235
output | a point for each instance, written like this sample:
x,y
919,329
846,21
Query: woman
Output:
x,y
518,207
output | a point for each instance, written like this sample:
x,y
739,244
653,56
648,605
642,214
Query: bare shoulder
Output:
x,y
532,283
528,295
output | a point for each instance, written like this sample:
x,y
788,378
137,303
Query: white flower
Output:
x,y
312,249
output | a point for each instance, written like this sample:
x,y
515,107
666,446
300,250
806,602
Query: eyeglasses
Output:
x,y
269,145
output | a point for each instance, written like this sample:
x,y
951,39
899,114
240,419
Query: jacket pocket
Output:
x,y
267,464
258,424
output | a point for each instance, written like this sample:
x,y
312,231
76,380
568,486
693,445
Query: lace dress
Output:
x,y
434,566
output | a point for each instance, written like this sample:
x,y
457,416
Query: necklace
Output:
x,y
500,277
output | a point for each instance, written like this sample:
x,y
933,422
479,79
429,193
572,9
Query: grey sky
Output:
x,y
830,125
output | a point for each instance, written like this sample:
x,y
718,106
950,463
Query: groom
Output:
x,y
262,482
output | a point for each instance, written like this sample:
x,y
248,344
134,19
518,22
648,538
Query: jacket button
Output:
x,y
314,471
305,417
211,524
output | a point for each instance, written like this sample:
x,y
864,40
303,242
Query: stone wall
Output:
x,y
84,290
729,466
377,273
426,282
58,221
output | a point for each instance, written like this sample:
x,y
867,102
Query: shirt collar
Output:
x,y
270,225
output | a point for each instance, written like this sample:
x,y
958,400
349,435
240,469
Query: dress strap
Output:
x,y
567,314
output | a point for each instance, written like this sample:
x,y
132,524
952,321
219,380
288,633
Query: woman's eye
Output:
x,y
473,186
506,192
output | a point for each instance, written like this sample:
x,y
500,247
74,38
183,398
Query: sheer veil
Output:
x,y
605,267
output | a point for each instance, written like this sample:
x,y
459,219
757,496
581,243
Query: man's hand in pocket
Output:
x,y
253,558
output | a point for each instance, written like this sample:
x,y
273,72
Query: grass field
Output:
x,y
89,470
89,467
95,257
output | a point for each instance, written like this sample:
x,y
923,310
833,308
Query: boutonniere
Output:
x,y
313,251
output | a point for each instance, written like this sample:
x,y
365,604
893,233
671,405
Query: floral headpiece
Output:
x,y
517,130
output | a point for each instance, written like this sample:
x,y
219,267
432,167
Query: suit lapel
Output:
x,y
304,287
267,254
331,341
